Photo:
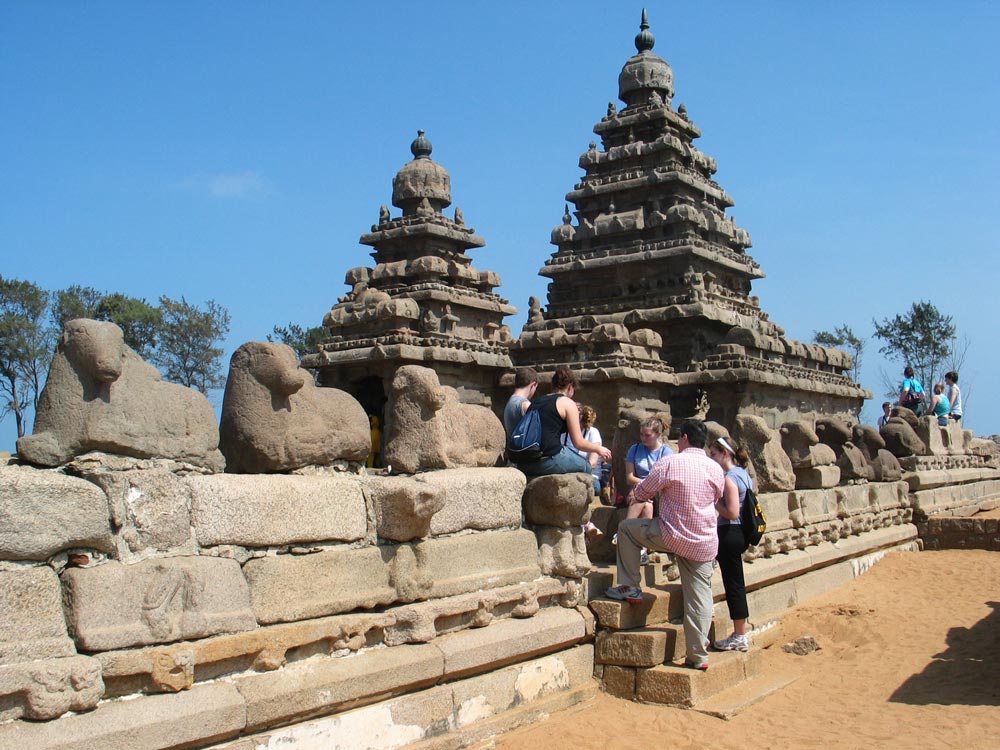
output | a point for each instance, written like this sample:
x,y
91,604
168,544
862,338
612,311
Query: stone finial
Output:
x,y
567,217
459,217
421,147
612,109
593,146
644,40
383,214
683,110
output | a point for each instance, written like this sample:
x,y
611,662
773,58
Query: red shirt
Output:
x,y
689,484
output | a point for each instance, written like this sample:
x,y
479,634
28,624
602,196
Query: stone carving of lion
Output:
x,y
101,396
430,429
275,418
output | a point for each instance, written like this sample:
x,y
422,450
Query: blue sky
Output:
x,y
237,151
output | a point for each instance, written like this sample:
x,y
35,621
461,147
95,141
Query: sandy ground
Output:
x,y
909,658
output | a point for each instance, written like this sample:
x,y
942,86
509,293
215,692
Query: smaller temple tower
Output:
x,y
423,302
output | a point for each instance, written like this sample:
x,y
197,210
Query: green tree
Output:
x,y
74,302
25,347
189,350
921,338
140,322
843,337
303,340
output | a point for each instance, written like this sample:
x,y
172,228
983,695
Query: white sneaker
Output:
x,y
733,643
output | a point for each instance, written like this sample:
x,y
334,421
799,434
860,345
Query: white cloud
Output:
x,y
238,185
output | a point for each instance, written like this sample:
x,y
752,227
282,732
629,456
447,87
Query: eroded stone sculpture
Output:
x,y
274,418
101,395
771,464
431,429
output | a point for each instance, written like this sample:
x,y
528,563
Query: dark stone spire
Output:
x,y
644,40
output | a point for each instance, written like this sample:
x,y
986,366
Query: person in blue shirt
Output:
x,y
911,393
640,460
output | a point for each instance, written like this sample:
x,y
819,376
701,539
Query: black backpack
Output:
x,y
752,519
525,442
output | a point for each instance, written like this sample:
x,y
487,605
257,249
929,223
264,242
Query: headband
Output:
x,y
722,441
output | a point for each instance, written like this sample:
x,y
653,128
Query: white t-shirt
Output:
x,y
593,435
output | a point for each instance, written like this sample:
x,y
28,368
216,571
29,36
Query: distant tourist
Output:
x,y
690,484
954,395
939,405
911,392
733,459
525,384
886,413
559,414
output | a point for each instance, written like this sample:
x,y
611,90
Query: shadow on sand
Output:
x,y
967,673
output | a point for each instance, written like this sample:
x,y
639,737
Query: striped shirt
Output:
x,y
689,484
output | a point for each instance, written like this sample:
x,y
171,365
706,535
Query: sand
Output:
x,y
909,658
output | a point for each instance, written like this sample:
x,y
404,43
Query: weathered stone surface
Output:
x,y
619,681
275,418
900,438
510,640
48,688
934,437
562,552
800,441
561,500
151,507
193,718
678,686
263,511
317,686
295,587
100,395
31,616
430,429
44,512
852,463
484,499
155,601
404,506
657,606
772,466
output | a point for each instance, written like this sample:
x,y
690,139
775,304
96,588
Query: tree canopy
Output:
x,y
25,347
844,338
921,338
189,350
303,340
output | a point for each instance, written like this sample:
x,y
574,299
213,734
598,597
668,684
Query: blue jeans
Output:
x,y
566,461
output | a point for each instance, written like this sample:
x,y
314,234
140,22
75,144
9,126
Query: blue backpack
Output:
x,y
525,442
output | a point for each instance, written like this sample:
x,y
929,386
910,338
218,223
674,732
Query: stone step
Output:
x,y
733,700
647,646
675,685
658,605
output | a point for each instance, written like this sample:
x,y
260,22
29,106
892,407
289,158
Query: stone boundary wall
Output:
x,y
961,533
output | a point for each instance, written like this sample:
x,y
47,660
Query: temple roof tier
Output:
x,y
573,260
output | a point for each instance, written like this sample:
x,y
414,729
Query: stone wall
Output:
x,y
229,605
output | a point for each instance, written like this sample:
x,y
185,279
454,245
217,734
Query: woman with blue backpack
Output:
x,y
732,544
911,392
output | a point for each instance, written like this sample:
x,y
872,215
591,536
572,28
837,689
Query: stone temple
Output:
x,y
423,302
650,294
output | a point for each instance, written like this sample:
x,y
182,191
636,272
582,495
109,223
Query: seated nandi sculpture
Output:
x,y
275,418
430,429
101,396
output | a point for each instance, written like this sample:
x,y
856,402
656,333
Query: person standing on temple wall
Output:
x,y
558,414
911,392
690,484
525,385
886,413
954,395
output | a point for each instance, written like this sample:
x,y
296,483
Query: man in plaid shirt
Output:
x,y
689,483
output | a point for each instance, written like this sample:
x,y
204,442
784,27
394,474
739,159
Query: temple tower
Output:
x,y
423,302
653,256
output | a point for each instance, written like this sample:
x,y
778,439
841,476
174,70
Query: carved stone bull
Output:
x,y
100,395
430,429
274,418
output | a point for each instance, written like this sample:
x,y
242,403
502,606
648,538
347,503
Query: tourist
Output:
x,y
640,459
733,459
954,395
525,385
690,484
939,405
559,414
590,433
886,413
911,392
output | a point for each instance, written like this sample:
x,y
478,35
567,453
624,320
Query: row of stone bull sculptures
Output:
x,y
101,396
